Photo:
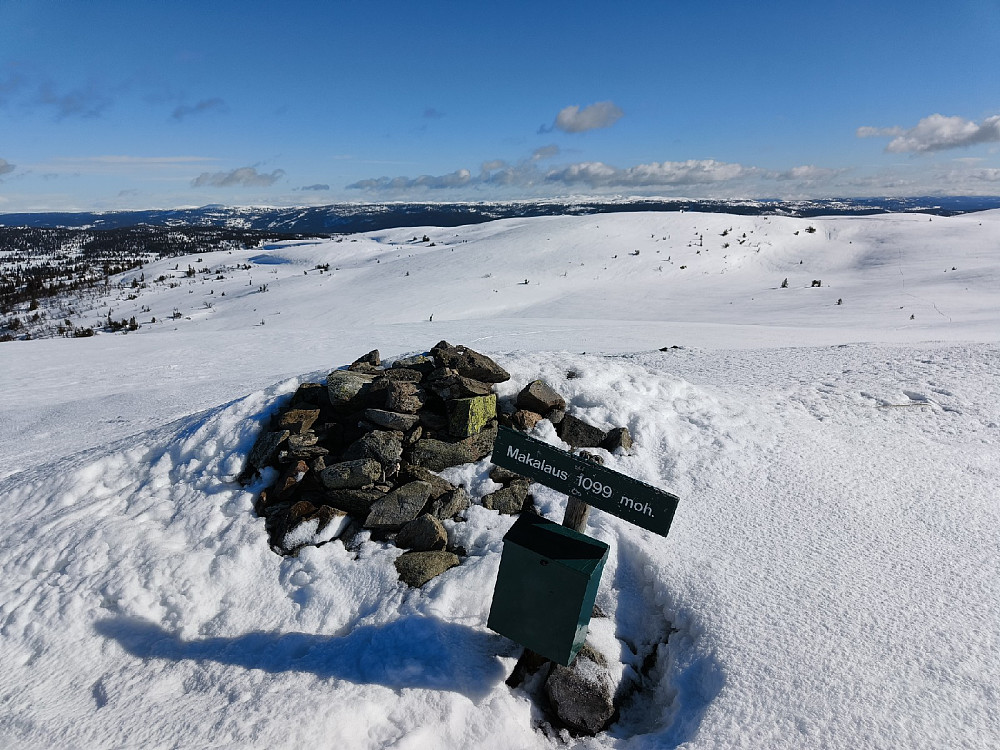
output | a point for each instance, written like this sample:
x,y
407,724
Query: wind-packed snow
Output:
x,y
831,578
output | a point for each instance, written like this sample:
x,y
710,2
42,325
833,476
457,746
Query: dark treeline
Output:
x,y
36,263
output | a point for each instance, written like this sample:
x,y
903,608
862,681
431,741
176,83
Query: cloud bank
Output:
x,y
936,133
598,175
242,177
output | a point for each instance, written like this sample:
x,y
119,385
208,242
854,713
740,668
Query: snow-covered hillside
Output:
x,y
831,576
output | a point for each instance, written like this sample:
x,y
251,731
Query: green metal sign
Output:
x,y
627,498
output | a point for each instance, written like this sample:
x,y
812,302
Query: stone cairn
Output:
x,y
361,452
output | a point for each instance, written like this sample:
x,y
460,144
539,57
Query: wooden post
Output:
x,y
577,513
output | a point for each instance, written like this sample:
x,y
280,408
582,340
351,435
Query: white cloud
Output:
x,y
6,167
807,173
690,172
242,177
937,133
600,115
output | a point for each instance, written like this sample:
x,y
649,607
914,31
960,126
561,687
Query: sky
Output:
x,y
112,105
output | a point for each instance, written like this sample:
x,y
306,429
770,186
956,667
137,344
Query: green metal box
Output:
x,y
546,587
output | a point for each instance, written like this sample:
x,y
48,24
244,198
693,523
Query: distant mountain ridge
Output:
x,y
365,217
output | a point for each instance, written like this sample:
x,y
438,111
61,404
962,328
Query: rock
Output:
x,y
310,396
298,421
327,515
450,504
264,451
467,416
510,499
439,485
448,384
580,434
347,389
500,475
470,364
582,695
433,421
299,441
390,420
617,438
592,457
405,397
556,416
398,507
525,420
284,488
538,397
420,362
351,474
438,455
371,359
417,568
384,447
422,534
356,503
401,375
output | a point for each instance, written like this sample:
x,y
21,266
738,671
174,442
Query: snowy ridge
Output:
x,y
831,574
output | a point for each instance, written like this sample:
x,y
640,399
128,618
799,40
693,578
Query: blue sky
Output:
x,y
114,105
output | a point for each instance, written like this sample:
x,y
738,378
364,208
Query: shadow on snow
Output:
x,y
413,652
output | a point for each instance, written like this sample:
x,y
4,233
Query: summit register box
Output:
x,y
546,587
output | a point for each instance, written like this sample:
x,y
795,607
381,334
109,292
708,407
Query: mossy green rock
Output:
x,y
467,416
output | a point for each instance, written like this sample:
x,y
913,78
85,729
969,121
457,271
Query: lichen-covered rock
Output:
x,y
582,694
510,499
467,416
417,568
580,434
351,474
398,507
422,534
538,396
469,363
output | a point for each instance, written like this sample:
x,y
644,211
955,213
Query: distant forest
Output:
x,y
36,263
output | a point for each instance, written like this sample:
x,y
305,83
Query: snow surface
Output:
x,y
831,578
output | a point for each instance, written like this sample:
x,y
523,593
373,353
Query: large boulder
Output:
x,y
417,568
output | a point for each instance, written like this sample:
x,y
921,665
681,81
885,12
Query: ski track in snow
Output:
x,y
830,579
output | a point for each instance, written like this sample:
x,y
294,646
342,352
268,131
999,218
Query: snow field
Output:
x,y
830,578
